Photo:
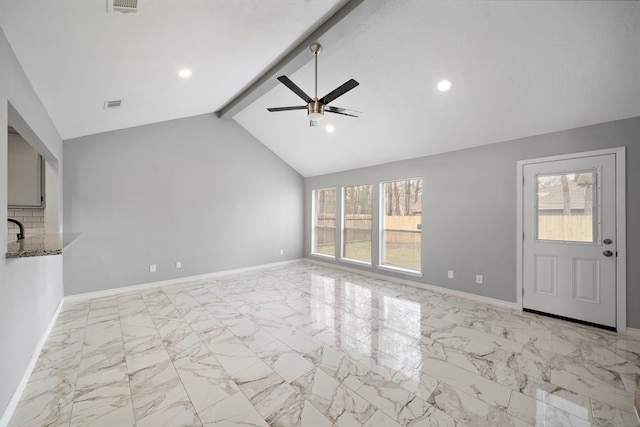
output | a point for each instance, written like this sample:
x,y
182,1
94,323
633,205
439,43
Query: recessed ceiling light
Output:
x,y
330,128
444,85
184,73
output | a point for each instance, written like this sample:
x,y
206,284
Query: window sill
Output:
x,y
355,262
325,256
414,273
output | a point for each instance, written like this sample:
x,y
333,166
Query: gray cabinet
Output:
x,y
25,174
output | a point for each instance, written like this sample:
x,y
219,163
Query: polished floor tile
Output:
x,y
307,345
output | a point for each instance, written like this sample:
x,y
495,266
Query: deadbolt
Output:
x,y
607,241
607,253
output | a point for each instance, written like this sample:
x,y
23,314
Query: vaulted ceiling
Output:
x,y
517,69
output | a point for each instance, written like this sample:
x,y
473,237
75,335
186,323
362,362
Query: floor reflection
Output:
x,y
303,344
445,349
368,323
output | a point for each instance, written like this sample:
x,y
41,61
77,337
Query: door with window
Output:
x,y
569,248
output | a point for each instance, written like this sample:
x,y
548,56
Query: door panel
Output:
x,y
569,225
586,280
546,275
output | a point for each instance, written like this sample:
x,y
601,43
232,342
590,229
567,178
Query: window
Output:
x,y
356,223
324,222
401,237
564,207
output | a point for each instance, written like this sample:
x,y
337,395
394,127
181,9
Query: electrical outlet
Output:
x,y
450,274
479,279
152,268
178,264
281,251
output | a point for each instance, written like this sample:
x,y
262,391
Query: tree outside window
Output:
x,y
402,223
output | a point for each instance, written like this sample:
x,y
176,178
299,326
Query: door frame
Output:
x,y
621,227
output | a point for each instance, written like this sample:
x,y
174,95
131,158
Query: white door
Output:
x,y
569,250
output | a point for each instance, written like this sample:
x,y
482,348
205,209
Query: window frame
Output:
x,y
381,234
343,219
596,226
314,223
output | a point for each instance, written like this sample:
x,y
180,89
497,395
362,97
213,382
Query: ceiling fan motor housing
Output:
x,y
315,110
316,106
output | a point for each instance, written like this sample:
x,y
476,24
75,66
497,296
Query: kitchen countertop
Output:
x,y
39,245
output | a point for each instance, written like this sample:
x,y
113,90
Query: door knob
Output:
x,y
607,253
607,241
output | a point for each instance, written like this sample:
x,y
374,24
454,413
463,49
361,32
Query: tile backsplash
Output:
x,y
31,218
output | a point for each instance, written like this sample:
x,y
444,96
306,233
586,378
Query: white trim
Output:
x,y
477,298
340,252
332,257
356,262
621,239
123,289
621,227
400,270
519,234
570,156
633,333
17,394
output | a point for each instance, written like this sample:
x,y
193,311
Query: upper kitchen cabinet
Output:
x,y
26,173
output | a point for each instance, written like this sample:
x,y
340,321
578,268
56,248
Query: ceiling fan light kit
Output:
x,y
316,107
315,110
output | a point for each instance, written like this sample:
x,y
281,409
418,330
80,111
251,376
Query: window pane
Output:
x,y
357,222
402,223
324,221
565,207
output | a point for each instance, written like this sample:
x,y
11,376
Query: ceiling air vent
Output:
x,y
124,6
114,103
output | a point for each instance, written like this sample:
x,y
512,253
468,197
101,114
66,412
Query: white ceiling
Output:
x,y
517,68
77,55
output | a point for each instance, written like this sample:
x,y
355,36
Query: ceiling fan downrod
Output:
x,y
315,109
316,48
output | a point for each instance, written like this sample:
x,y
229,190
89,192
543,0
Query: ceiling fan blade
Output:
x,y
302,107
344,111
342,114
339,91
291,85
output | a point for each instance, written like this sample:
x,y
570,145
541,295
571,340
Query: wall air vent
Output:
x,y
114,103
124,6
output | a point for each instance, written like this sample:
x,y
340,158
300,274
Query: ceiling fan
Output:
x,y
317,107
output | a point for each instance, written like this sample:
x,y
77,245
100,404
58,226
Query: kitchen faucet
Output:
x,y
19,224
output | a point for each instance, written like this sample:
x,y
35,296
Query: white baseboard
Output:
x,y
633,333
477,298
117,291
17,394
111,292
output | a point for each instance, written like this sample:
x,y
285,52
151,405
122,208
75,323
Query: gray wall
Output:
x,y
30,289
199,190
469,207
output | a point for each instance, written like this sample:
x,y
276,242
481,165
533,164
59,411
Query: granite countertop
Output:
x,y
39,245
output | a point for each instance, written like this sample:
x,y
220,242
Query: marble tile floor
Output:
x,y
308,345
